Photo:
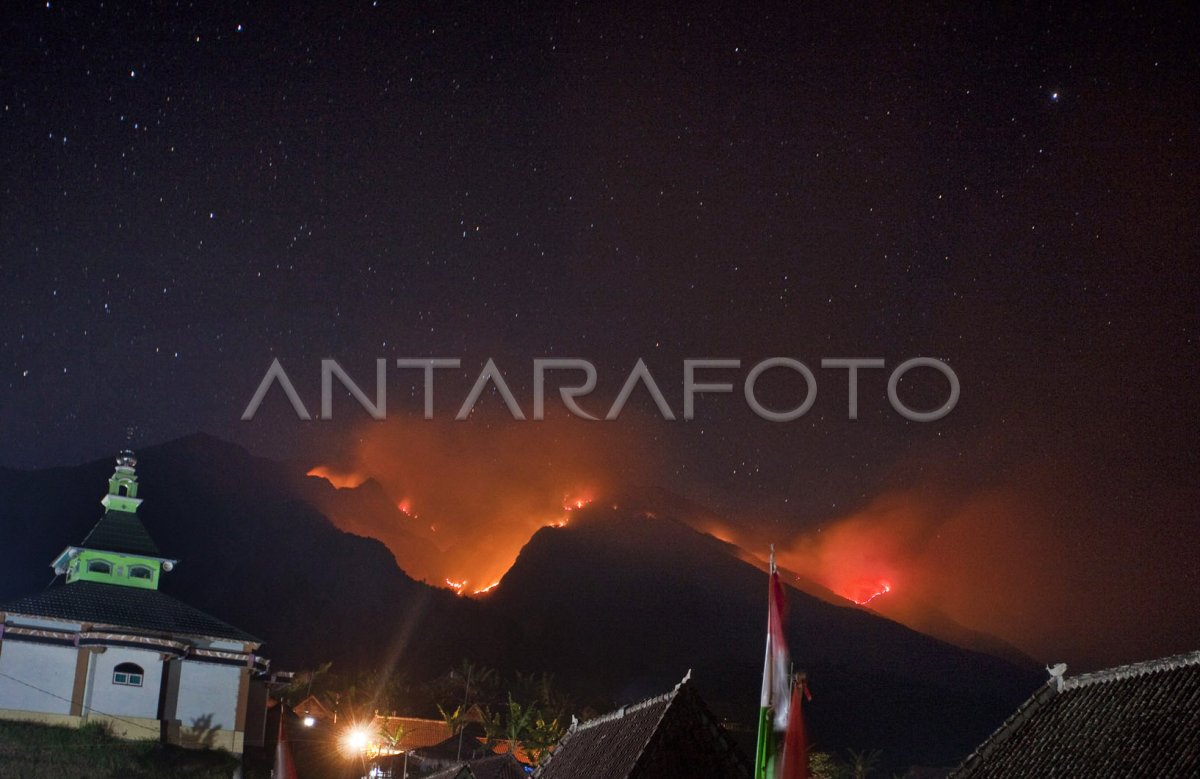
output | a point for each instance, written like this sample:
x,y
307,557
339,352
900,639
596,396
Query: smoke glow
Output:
x,y
340,479
480,491
1002,559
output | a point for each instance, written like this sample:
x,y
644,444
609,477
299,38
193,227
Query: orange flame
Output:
x,y
867,594
457,586
574,502
476,510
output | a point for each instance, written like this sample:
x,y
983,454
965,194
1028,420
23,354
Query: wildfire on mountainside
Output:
x,y
866,594
341,479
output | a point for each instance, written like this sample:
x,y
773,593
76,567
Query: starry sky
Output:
x,y
189,191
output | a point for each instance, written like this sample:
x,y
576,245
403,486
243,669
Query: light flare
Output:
x,y
358,740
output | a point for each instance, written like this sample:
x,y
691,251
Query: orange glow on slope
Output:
x,y
869,593
480,491
341,479
719,533
460,586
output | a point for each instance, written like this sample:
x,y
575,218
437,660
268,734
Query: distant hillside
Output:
x,y
617,601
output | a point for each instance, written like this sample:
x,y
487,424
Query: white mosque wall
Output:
x,y
37,677
105,696
208,696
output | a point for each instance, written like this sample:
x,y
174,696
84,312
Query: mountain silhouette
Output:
x,y
619,600
617,605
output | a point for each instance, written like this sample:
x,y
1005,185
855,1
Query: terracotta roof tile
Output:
x,y
418,732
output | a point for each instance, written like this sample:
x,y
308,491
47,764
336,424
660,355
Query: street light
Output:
x,y
357,739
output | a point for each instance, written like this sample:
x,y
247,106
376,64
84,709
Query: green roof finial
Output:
x,y
118,550
122,485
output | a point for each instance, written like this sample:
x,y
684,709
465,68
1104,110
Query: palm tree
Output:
x,y
453,719
512,726
472,683
863,763
392,736
475,680
541,736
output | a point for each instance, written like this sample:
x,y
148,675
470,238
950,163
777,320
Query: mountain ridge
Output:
x,y
617,604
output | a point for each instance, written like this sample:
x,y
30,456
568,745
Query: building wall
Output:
x,y
48,673
104,697
207,705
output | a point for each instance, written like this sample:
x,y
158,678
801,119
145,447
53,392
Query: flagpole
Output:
x,y
766,731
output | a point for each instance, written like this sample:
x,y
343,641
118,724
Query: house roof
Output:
x,y
669,735
1134,720
472,745
314,707
126,607
494,767
121,532
418,733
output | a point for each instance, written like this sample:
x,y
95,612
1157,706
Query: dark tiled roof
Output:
x,y
129,607
671,735
123,532
495,767
1135,720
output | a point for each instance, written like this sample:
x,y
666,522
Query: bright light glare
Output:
x,y
357,739
309,721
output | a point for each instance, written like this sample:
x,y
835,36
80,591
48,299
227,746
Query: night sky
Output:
x,y
188,192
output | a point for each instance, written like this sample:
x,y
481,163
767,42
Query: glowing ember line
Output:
x,y
457,586
488,588
884,589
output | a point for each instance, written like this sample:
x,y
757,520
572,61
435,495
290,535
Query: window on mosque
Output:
x,y
128,674
99,566
140,572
